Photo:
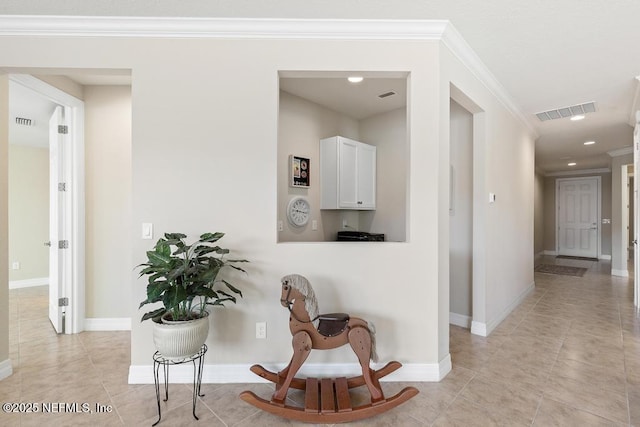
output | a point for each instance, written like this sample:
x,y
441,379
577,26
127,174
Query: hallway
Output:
x,y
569,355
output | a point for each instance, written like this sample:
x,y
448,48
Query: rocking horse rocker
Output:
x,y
326,400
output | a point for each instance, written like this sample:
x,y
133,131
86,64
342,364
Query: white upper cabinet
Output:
x,y
347,174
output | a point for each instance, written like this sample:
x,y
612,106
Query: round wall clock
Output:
x,y
298,211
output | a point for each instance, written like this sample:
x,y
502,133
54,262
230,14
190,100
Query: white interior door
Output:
x,y
636,216
578,217
56,223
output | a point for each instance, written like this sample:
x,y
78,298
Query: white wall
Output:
x,y
219,146
5,364
461,214
108,201
201,120
388,132
301,126
28,211
502,231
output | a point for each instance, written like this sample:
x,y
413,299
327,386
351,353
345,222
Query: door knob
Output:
x,y
48,243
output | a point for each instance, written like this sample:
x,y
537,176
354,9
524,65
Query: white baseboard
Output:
x,y
484,329
551,253
6,369
479,328
606,257
28,283
620,273
460,320
444,367
107,324
240,373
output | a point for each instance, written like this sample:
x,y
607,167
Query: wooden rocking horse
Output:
x,y
326,400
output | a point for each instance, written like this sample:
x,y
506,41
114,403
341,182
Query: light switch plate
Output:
x,y
147,230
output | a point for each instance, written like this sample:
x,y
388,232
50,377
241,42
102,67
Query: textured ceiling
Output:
x,y
546,53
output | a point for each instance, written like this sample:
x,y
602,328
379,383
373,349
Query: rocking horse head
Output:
x,y
297,288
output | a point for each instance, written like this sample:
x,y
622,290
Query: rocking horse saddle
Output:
x,y
332,324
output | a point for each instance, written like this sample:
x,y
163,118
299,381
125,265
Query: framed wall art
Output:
x,y
299,171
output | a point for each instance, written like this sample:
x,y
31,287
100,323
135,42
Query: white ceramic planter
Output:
x,y
177,340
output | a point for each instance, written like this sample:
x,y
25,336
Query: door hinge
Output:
x,y
63,302
63,129
62,186
63,244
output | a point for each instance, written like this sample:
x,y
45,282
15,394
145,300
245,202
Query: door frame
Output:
x,y
479,322
636,211
598,210
75,266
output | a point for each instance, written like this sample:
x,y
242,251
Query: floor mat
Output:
x,y
582,258
564,270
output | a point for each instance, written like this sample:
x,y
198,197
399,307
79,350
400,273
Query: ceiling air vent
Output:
x,y
561,113
384,95
24,122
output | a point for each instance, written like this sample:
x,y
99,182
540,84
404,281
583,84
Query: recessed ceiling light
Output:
x,y
589,143
577,117
355,79
571,164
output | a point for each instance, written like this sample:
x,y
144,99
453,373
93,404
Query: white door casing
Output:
x,y
636,217
578,216
73,265
57,141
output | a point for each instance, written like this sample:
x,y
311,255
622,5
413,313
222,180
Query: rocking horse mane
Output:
x,y
304,287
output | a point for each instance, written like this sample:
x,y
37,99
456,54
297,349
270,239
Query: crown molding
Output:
x,y
330,29
579,172
461,49
174,27
620,152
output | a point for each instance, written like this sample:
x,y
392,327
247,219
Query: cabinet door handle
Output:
x,y
359,202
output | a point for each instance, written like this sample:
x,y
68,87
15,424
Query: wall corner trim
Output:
x,y
479,328
445,366
240,373
6,369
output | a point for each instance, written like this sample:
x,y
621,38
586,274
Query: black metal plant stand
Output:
x,y
160,360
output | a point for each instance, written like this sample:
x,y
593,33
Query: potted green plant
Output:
x,y
184,278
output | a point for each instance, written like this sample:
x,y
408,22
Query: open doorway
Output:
x,y
461,216
467,288
46,210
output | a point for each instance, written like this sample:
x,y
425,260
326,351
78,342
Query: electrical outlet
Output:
x,y
344,223
15,265
280,226
314,225
261,330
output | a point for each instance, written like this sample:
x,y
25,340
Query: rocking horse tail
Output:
x,y
372,333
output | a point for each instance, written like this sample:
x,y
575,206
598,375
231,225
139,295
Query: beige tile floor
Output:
x,y
569,355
